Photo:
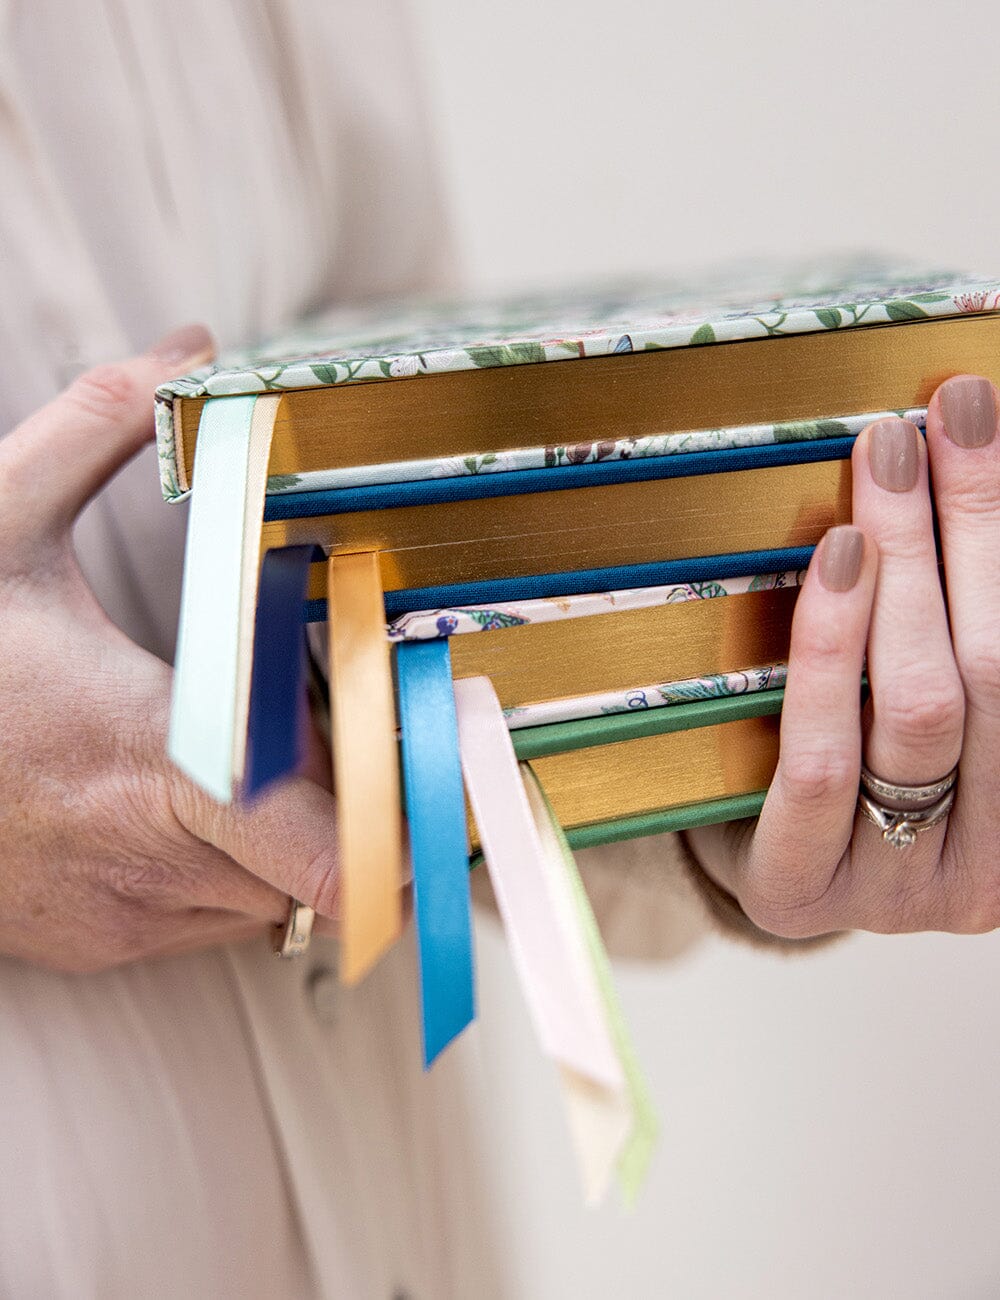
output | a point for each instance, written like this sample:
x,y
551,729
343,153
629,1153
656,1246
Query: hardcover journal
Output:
x,y
556,544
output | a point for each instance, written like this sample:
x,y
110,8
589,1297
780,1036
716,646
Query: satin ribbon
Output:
x,y
552,966
435,812
365,763
276,691
211,693
613,1129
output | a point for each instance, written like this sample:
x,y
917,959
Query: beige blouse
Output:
x,y
224,1124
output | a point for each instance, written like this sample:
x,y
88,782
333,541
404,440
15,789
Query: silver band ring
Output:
x,y
292,938
916,796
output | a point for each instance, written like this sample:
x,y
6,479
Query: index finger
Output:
x,y
286,837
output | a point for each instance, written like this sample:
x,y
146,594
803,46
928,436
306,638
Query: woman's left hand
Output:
x,y
812,863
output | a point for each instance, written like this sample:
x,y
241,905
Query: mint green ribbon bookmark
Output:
x,y
213,664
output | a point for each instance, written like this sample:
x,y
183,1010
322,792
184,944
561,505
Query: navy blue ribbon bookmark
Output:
x,y
276,687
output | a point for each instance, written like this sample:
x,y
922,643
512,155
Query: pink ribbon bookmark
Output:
x,y
550,957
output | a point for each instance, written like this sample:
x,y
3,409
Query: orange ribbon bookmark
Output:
x,y
365,764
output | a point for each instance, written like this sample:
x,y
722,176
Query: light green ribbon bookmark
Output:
x,y
635,1153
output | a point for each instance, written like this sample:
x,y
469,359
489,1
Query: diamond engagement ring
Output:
x,y
918,807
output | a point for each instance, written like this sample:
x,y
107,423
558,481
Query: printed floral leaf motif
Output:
x,y
325,374
509,354
283,482
705,689
491,619
904,309
929,297
476,464
707,590
703,334
810,430
832,429
553,455
828,317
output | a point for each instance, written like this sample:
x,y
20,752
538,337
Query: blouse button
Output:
x,y
323,991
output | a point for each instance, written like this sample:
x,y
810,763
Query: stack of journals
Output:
x,y
600,505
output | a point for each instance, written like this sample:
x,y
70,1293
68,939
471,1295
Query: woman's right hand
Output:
x,y
107,853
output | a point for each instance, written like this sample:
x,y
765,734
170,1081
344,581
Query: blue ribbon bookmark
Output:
x,y
273,742
435,807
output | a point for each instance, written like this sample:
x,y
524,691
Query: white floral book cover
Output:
x,y
405,340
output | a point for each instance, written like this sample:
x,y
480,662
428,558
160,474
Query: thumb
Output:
x,y
53,463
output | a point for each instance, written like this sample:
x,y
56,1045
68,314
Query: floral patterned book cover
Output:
x,y
410,339
427,624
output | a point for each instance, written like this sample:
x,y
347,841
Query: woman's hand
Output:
x,y
107,854
811,863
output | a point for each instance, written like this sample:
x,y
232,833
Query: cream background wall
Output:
x,y
832,1124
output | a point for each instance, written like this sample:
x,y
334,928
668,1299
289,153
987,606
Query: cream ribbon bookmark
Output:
x,y
365,763
611,1129
211,694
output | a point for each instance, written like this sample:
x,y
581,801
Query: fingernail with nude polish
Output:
x,y
892,454
190,345
840,555
969,410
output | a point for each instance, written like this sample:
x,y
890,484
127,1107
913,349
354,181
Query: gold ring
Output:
x,y
292,938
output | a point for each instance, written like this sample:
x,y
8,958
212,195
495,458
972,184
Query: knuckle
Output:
x,y
820,645
320,884
932,714
103,391
812,778
975,496
783,922
786,913
143,880
904,545
790,899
